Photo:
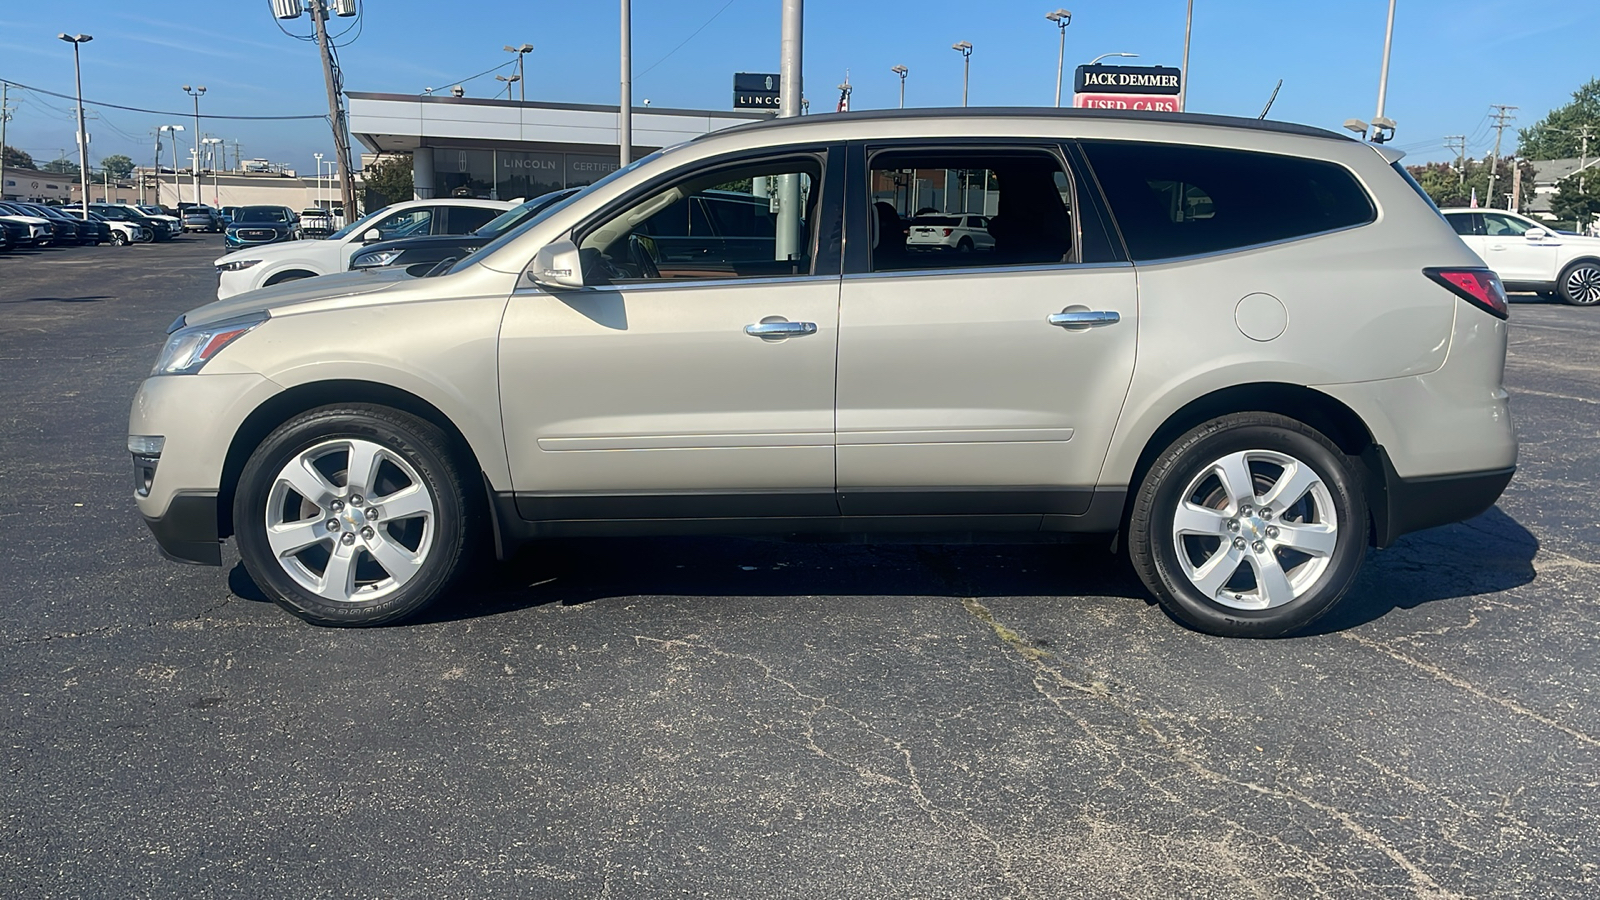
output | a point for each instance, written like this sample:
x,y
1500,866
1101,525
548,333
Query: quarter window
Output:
x,y
967,208
747,221
1172,200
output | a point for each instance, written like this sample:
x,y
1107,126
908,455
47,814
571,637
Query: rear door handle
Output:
x,y
781,329
1085,318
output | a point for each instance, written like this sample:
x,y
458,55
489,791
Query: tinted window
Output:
x,y
263,214
1022,196
1465,223
1500,224
1172,200
467,219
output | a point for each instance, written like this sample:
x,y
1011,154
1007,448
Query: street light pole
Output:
x,y
521,72
177,186
83,134
901,71
1062,18
194,166
1183,77
211,148
791,91
625,104
1383,75
965,49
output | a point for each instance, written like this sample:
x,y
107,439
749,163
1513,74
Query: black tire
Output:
x,y
457,520
964,245
118,239
1580,283
1154,547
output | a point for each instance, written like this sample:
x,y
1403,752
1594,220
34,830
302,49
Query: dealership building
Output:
x,y
505,149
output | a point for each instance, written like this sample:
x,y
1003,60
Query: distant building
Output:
x,y
1548,175
35,186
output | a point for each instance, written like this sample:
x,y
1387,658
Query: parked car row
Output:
x,y
24,225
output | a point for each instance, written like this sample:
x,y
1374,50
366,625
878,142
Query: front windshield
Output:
x,y
357,224
262,214
560,204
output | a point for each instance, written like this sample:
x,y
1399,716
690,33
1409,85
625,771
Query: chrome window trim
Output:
x,y
686,284
989,270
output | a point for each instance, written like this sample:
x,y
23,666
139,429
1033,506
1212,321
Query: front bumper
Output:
x,y
187,531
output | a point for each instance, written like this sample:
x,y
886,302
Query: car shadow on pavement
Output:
x,y
1490,553
1485,555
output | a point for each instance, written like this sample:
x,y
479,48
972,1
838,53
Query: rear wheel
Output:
x,y
118,239
964,245
1580,283
354,515
1250,525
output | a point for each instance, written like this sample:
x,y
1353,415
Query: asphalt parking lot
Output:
x,y
739,718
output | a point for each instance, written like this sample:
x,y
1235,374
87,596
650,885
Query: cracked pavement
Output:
x,y
731,718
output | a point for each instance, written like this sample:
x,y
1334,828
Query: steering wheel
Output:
x,y
641,257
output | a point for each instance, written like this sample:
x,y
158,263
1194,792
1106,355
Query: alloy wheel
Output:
x,y
1255,529
1582,286
350,520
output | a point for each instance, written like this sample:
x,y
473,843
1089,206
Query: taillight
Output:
x,y
949,231
1480,287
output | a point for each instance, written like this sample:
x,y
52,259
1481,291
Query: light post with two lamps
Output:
x,y
83,135
1062,18
176,186
522,53
196,93
965,49
509,82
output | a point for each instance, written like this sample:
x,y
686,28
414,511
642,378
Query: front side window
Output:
x,y
927,204
1173,200
746,221
1502,225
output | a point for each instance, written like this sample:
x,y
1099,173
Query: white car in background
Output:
x,y
956,232
1530,255
38,228
124,233
255,267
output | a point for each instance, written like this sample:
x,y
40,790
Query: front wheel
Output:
x,y
1250,525
118,239
1580,284
354,515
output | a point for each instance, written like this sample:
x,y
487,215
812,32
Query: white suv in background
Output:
x,y
252,267
953,232
1530,256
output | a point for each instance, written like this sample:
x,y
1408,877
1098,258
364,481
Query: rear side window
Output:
x,y
1172,200
1466,224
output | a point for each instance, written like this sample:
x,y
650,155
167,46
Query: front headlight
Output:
x,y
189,349
375,260
237,264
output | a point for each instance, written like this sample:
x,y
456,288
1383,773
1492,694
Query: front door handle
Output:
x,y
781,329
1085,318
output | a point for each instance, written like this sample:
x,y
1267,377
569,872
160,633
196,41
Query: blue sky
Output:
x,y
1452,58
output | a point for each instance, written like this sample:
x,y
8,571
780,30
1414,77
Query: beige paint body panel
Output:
x,y
198,415
659,388
957,379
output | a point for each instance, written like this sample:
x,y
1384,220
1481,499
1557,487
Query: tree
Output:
x,y
391,179
1571,204
18,158
1557,136
1449,188
60,167
117,166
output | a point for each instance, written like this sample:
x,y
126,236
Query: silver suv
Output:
x,y
1247,350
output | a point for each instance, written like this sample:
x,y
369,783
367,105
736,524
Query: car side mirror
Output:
x,y
557,266
1536,234
372,236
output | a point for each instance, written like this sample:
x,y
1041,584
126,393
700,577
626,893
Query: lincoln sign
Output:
x,y
1127,87
755,90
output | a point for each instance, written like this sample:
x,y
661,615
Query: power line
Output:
x,y
686,40
483,73
155,112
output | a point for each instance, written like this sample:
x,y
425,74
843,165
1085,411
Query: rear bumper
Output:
x,y
187,531
1402,505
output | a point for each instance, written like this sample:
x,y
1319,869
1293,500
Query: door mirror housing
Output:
x,y
1536,234
371,236
557,266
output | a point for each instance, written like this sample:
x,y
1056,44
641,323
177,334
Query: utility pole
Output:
x,y
341,133
1583,156
1516,185
1459,142
1502,117
1183,77
5,116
